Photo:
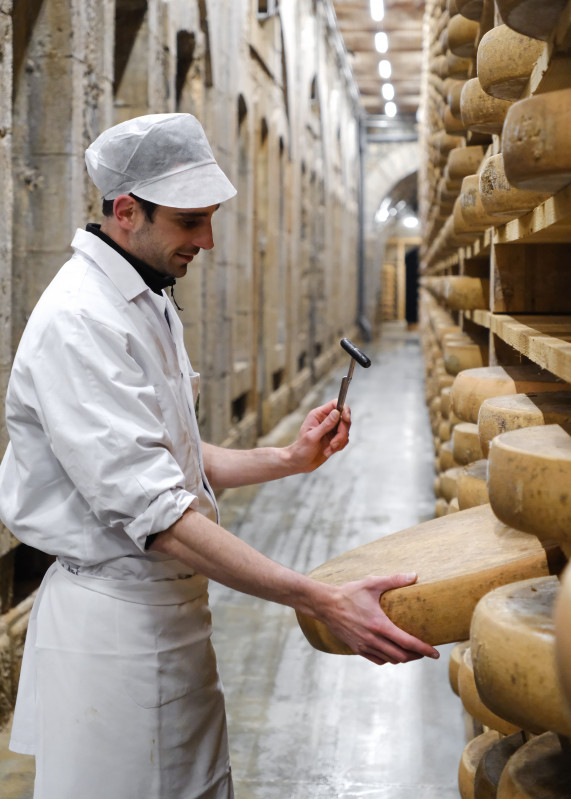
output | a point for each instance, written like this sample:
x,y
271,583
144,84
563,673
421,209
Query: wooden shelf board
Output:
x,y
479,317
549,222
545,340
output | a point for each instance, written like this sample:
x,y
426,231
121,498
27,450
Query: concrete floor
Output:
x,y
303,724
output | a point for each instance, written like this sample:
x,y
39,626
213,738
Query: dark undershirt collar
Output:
x,y
154,280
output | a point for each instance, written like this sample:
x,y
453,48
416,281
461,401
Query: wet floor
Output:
x,y
303,724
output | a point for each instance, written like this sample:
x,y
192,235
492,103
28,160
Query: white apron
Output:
x,y
119,695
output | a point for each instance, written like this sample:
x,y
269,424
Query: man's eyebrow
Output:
x,y
195,214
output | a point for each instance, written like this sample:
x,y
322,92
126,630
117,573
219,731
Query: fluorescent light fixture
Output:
x,y
391,109
377,10
410,221
381,42
385,69
388,91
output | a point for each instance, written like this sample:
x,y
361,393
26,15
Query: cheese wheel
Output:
x,y
462,34
452,124
453,506
472,702
445,402
540,769
449,483
512,641
462,224
529,481
440,509
512,412
453,97
492,764
481,112
464,161
472,9
499,198
465,444
456,66
446,457
456,657
563,635
471,205
472,485
535,142
535,18
457,558
506,77
472,386
460,354
471,756
465,293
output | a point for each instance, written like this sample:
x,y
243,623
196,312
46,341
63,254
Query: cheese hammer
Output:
x,y
356,356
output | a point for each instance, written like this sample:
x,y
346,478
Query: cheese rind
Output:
x,y
529,481
472,701
506,78
512,641
472,485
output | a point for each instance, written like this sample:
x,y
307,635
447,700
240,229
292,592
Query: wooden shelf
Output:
x,y
549,222
545,340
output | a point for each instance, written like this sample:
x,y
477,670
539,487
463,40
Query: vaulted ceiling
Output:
x,y
402,23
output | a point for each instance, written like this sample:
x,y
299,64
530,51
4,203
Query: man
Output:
x,y
119,695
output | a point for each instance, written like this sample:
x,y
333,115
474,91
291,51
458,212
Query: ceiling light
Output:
x,y
381,42
390,109
385,69
388,91
410,221
377,10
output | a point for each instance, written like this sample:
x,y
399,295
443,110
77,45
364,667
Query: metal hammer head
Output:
x,y
355,353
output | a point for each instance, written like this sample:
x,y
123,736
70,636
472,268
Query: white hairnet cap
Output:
x,y
163,158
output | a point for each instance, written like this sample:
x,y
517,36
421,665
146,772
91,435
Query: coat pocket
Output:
x,y
165,650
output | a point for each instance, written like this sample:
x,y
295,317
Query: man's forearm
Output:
x,y
213,551
231,468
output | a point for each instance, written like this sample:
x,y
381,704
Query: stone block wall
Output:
x,y
264,311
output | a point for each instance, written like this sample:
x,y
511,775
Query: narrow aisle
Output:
x,y
304,724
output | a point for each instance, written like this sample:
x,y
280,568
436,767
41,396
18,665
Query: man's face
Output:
x,y
173,238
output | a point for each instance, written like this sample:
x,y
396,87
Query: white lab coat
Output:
x,y
119,694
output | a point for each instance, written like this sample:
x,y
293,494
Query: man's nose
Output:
x,y
205,237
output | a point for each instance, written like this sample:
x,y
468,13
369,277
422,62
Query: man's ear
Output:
x,y
126,211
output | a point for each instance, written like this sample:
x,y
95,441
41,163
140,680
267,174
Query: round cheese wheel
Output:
x,y
456,657
462,34
472,386
441,508
460,354
445,402
454,91
531,17
540,769
473,210
512,412
472,702
535,142
457,559
446,457
512,641
501,199
506,78
472,485
529,481
493,762
471,757
464,161
449,483
465,293
563,635
465,444
481,112
472,9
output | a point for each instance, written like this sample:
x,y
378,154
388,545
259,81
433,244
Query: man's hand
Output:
x,y
322,433
357,619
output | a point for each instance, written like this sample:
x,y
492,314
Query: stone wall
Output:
x,y
264,311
